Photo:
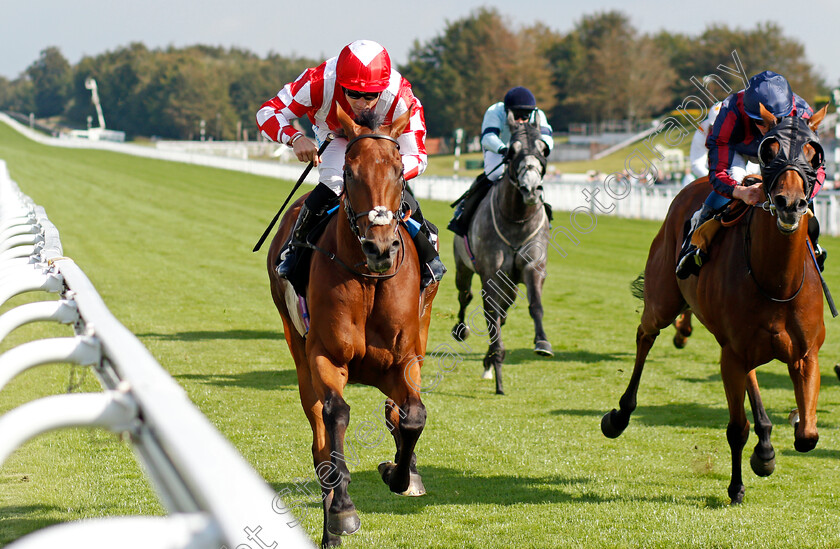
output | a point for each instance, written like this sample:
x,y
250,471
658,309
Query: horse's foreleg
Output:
x,y
534,279
406,423
320,456
463,282
805,375
615,421
392,420
738,430
763,458
496,350
313,408
329,381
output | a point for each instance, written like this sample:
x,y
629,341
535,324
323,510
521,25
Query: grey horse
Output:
x,y
505,245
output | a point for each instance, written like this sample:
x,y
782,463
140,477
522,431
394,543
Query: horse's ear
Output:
x,y
511,121
398,126
351,129
814,121
767,116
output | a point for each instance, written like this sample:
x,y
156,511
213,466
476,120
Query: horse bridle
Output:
x,y
379,212
514,174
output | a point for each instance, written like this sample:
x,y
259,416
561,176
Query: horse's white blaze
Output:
x,y
380,215
531,179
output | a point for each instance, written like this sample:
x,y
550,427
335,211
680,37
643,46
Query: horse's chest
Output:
x,y
381,332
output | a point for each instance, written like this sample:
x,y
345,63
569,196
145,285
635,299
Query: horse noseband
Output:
x,y
792,133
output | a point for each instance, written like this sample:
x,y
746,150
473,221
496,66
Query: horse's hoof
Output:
x,y
460,332
608,426
415,482
488,374
385,469
344,523
415,486
543,348
762,467
805,444
736,495
500,392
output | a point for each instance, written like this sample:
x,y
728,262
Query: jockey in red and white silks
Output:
x,y
361,80
316,92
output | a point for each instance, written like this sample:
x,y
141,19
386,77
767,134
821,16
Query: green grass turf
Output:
x,y
168,246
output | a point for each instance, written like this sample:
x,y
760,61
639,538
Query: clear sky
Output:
x,y
320,28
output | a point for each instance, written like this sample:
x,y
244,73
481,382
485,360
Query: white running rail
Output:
x,y
214,498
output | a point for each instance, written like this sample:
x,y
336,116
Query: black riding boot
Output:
x,y
691,257
311,212
467,205
431,267
814,234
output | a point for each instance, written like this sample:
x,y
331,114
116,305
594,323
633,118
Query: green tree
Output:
x,y
120,76
461,72
765,47
604,70
50,76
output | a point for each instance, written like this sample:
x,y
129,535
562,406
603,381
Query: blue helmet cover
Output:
x,y
770,89
520,98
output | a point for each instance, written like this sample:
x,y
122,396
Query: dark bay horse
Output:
x,y
368,320
759,294
510,221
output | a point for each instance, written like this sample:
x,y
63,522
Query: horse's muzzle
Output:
x,y
531,195
789,212
380,255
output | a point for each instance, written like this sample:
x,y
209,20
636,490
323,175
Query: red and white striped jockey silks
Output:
x,y
315,94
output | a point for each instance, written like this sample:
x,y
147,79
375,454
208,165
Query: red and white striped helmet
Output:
x,y
364,66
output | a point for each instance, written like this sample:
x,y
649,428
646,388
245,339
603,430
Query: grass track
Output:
x,y
168,248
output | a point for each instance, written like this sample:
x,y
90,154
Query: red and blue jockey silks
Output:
x,y
735,132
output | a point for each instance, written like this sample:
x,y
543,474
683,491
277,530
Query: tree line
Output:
x,y
603,69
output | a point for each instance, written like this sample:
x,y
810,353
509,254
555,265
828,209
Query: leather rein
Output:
x,y
748,249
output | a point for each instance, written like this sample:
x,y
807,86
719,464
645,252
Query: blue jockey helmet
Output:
x,y
520,98
770,89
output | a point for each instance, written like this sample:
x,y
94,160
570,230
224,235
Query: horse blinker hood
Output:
x,y
792,133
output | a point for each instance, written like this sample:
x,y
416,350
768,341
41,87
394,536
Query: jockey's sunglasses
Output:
x,y
522,114
353,94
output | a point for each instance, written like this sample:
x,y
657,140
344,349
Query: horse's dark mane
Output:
x,y
369,119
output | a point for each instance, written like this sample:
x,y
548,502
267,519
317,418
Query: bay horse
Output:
x,y
759,294
510,219
368,319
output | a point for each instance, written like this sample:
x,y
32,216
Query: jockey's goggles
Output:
x,y
367,96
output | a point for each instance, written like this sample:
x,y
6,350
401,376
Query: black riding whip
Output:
x,y
306,171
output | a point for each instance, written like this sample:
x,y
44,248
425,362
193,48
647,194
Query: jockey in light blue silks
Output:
x,y
521,104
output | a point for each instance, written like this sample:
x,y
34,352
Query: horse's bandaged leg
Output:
x,y
705,233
